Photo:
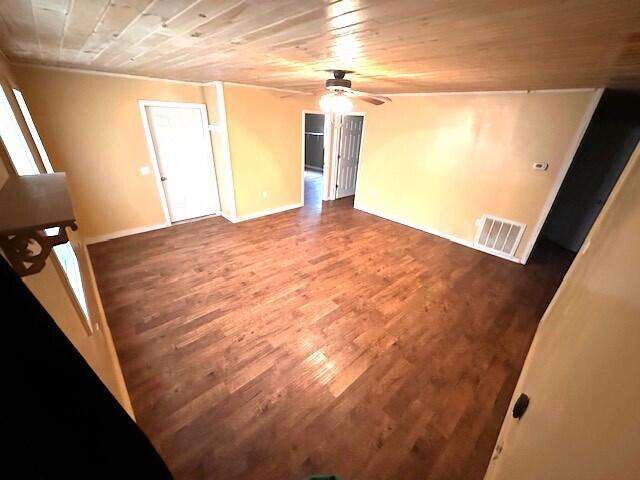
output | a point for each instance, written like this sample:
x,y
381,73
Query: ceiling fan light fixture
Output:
x,y
336,103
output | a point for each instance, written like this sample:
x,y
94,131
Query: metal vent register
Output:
x,y
499,235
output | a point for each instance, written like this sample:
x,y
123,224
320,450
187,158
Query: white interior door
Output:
x,y
183,151
348,155
582,370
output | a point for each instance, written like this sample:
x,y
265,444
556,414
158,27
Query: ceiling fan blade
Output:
x,y
367,97
372,100
294,93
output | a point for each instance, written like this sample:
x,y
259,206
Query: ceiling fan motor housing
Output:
x,y
338,83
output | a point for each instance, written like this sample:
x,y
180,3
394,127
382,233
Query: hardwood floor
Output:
x,y
313,189
320,340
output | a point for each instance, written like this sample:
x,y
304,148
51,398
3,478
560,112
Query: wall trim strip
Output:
x,y
124,233
224,130
284,90
275,89
264,213
493,92
101,73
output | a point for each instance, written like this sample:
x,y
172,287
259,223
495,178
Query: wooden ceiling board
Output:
x,y
81,20
395,46
17,29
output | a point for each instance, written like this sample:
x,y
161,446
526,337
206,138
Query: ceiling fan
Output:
x,y
338,99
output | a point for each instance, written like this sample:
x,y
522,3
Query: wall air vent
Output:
x,y
499,236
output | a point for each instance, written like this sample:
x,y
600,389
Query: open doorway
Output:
x,y
344,144
330,156
314,139
605,149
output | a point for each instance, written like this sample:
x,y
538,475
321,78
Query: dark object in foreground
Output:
x,y
57,419
521,405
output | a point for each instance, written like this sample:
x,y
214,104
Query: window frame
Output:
x,y
38,156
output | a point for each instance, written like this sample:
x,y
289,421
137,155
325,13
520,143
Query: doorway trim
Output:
x,y
325,149
143,104
564,169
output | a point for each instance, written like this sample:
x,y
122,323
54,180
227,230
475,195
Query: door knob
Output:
x,y
521,405
163,178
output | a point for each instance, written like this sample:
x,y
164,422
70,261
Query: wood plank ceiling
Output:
x,y
394,45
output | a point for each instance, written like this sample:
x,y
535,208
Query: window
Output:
x,y
69,263
14,141
24,163
34,133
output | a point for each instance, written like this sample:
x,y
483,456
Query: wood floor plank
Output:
x,y
321,339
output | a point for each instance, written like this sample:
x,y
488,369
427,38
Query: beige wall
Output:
x,y
582,371
91,127
442,161
50,289
265,136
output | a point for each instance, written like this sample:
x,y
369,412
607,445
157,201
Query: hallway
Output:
x,y
313,181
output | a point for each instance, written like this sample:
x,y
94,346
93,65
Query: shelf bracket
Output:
x,y
28,251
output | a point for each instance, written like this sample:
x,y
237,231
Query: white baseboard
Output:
x,y
148,228
437,233
124,233
231,218
480,248
196,219
264,213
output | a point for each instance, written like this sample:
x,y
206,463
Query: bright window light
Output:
x,y
32,129
14,141
69,263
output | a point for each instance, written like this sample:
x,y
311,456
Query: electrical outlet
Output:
x,y
144,171
265,194
540,166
